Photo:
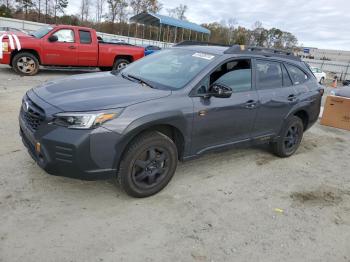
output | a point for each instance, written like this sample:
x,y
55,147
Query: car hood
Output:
x,y
96,91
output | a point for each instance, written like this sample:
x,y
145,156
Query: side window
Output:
x,y
286,79
268,74
298,76
236,74
65,35
85,37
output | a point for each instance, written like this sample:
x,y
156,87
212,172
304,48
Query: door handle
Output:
x,y
72,47
202,112
292,98
250,104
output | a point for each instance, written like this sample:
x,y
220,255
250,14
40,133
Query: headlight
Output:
x,y
84,120
5,47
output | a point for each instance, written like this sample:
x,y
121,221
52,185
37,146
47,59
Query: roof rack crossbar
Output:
x,y
257,50
190,42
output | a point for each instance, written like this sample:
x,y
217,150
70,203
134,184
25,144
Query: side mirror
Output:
x,y
220,91
53,38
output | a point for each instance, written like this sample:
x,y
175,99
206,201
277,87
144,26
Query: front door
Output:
x,y
223,121
63,51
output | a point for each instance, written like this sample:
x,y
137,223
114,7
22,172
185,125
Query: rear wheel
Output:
x,y
25,64
120,63
148,164
290,137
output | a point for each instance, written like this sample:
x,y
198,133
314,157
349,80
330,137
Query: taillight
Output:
x,y
5,47
321,90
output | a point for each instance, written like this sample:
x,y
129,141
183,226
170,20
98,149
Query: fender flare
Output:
x,y
172,119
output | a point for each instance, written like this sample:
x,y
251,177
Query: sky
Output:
x,y
316,23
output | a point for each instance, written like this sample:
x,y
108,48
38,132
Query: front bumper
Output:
x,y
83,154
6,58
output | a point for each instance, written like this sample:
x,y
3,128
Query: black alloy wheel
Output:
x,y
148,164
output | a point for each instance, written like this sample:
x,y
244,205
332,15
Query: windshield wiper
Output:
x,y
140,80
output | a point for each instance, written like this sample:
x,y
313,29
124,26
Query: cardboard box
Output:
x,y
337,112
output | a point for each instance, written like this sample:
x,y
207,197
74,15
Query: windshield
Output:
x,y
42,31
169,69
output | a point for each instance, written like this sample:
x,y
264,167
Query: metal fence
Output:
x,y
33,26
340,69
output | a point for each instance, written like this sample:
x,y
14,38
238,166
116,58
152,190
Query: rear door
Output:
x,y
276,94
88,48
62,52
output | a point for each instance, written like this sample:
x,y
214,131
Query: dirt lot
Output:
x,y
240,205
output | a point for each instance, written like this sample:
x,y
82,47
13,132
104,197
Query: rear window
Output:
x,y
298,75
85,37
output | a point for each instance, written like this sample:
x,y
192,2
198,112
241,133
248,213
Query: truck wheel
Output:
x,y
120,63
290,138
148,164
25,64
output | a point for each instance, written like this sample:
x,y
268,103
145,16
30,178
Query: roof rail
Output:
x,y
190,42
257,50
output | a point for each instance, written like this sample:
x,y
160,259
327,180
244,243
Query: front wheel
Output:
x,y
119,64
148,164
290,137
25,64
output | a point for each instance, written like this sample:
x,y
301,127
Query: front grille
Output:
x,y
32,114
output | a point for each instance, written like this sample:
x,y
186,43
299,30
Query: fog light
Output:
x,y
37,147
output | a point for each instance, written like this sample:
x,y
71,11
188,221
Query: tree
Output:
x,y
85,10
117,10
60,5
258,35
99,10
153,6
25,5
4,11
139,6
178,12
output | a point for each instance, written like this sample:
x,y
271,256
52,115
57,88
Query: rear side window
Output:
x,y
85,37
268,75
298,75
286,79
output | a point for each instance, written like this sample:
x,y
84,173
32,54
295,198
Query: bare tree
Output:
x,y
59,7
137,6
117,10
99,10
85,9
178,12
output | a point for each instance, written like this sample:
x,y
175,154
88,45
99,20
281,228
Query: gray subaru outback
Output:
x,y
135,124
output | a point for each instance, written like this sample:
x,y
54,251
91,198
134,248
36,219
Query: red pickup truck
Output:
x,y
63,45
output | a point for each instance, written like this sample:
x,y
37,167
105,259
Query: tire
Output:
x,y
25,64
120,63
148,164
290,137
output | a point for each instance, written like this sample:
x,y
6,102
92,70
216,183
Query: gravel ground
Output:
x,y
238,205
